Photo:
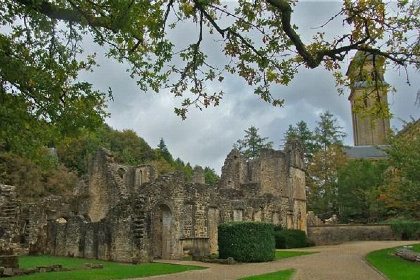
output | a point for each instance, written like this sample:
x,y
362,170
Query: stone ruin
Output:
x,y
9,234
313,220
129,214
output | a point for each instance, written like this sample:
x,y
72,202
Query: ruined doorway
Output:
x,y
162,241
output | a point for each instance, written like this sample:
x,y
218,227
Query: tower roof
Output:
x,y
366,152
362,57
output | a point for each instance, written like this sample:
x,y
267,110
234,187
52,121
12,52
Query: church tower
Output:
x,y
368,97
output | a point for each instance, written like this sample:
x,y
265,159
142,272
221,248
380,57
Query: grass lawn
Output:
x,y
394,267
278,275
110,271
416,248
289,254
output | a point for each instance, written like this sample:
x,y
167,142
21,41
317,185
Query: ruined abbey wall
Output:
x,y
127,214
110,182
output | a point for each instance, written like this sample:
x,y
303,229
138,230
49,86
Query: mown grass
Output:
x,y
289,254
278,275
416,248
110,271
394,267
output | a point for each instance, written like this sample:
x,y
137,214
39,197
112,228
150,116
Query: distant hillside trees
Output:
x,y
47,171
127,148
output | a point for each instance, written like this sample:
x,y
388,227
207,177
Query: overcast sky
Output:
x,y
206,137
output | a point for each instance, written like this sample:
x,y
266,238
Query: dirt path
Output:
x,y
344,262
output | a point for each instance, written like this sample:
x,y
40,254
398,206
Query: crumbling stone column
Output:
x,y
198,175
9,234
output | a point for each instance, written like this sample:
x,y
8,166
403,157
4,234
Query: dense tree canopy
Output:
x,y
126,146
41,53
401,189
358,190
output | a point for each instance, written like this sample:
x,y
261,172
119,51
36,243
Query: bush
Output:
x,y
407,229
247,241
291,238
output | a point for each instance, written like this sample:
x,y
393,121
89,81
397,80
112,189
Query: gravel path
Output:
x,y
344,262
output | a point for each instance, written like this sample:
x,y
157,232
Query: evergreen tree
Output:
x,y
252,143
306,137
327,132
164,152
323,165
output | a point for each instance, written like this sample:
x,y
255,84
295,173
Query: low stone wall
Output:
x,y
336,234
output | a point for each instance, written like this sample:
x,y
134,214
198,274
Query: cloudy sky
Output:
x,y
206,137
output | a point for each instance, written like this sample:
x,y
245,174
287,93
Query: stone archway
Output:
x,y
162,239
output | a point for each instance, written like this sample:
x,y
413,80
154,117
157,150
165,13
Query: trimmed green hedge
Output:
x,y
247,241
407,229
291,238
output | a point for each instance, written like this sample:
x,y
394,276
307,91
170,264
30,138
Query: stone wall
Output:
x,y
179,213
234,171
198,175
34,219
109,182
336,234
115,238
9,233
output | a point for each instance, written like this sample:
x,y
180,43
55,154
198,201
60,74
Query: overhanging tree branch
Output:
x,y
69,15
285,13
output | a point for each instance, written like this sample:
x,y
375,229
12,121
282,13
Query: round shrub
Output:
x,y
290,238
247,241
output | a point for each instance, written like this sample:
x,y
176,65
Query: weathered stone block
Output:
x,y
11,261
